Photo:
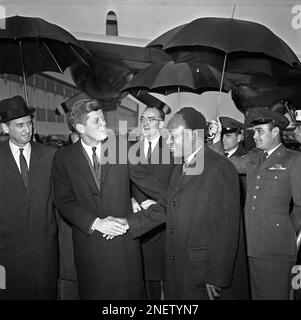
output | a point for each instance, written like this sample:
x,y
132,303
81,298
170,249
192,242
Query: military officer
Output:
x,y
273,205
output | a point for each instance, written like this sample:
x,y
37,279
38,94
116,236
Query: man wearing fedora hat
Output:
x,y
273,205
28,238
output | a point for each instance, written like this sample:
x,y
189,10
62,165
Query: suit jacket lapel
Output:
x,y
84,166
34,167
10,169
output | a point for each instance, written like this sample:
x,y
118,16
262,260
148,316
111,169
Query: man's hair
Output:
x,y
273,125
193,119
161,112
79,111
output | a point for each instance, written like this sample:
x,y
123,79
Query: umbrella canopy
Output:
x,y
111,66
267,92
44,46
30,45
245,44
168,77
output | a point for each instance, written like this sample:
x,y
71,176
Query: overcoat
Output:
x,y
28,231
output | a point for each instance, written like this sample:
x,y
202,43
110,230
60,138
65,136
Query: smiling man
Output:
x,y
202,214
28,238
273,205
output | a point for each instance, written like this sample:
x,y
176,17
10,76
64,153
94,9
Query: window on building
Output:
x,y
111,24
51,117
40,114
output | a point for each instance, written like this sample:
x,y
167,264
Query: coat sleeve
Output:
x,y
65,200
146,220
295,174
223,225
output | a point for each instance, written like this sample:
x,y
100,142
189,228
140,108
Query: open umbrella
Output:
x,y
233,46
29,45
268,92
168,77
111,66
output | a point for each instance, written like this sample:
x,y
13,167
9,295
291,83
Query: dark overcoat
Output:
x,y
153,243
28,232
202,227
105,269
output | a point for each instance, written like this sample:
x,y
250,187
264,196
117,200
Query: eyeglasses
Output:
x,y
149,120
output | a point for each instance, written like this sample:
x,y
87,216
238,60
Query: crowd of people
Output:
x,y
173,216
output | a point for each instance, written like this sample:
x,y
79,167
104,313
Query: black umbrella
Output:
x,y
111,66
268,92
30,45
232,45
169,77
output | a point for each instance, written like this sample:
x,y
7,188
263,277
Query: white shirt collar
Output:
x,y
89,150
272,150
16,153
154,143
230,153
15,149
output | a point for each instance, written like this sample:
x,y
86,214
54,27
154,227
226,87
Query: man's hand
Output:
x,y
215,130
135,205
122,221
147,203
109,228
213,291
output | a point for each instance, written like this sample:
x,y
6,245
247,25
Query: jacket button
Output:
x,y
254,197
258,177
256,187
171,230
253,208
173,257
174,203
94,194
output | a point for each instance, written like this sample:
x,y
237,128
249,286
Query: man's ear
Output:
x,y
80,128
5,128
161,124
239,137
275,131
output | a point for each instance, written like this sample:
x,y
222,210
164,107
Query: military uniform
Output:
x,y
272,185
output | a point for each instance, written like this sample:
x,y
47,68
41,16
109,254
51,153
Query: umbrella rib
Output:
x,y
79,56
52,56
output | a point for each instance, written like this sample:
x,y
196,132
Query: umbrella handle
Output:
x,y
221,85
289,112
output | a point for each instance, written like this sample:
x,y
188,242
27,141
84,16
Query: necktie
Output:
x,y
23,167
96,163
263,157
227,154
149,152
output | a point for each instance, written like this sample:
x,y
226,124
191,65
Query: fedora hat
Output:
x,y
14,108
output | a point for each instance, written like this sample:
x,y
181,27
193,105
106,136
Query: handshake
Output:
x,y
111,227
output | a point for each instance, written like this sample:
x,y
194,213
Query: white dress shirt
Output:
x,y
230,153
146,145
16,153
89,151
271,151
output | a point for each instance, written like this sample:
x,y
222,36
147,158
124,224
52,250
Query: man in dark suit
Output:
x,y
28,233
153,243
86,191
232,139
202,219
273,206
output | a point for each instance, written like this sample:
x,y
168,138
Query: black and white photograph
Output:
x,y
150,153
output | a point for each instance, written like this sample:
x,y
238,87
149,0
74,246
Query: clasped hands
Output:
x,y
112,227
